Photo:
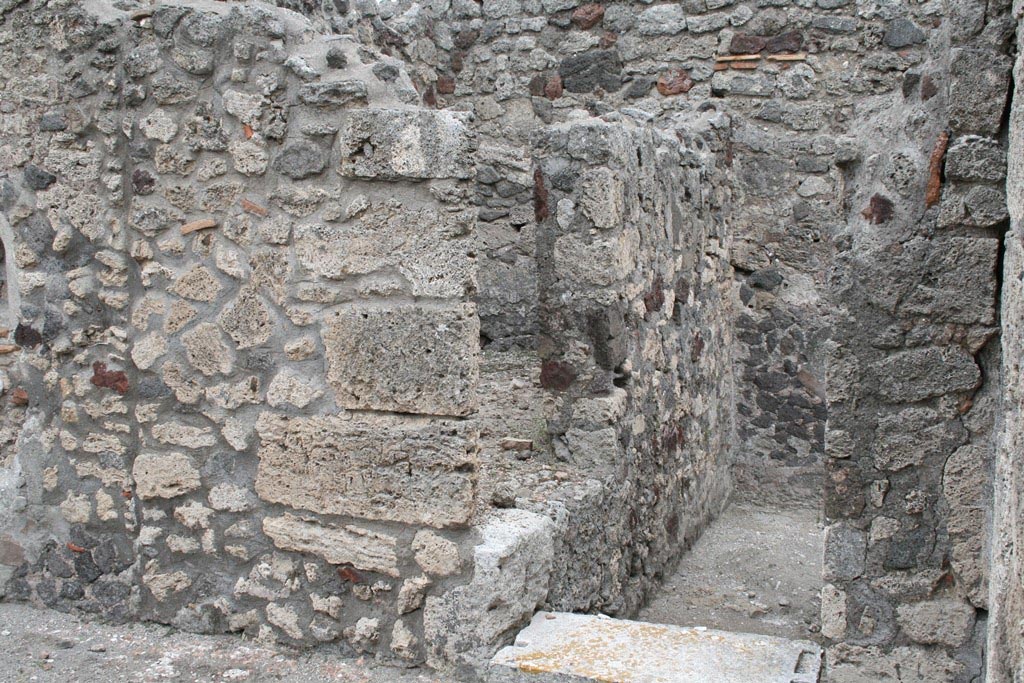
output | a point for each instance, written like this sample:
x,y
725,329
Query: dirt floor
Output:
x,y
47,646
755,570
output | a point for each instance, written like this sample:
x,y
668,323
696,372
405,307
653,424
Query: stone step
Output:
x,y
561,648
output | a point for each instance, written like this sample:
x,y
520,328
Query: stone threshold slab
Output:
x,y
572,648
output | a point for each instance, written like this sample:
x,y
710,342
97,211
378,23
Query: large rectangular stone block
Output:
x,y
395,144
430,248
407,358
383,467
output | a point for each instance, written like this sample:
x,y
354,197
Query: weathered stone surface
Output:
x,y
944,621
164,475
510,577
918,374
363,549
406,358
590,70
432,250
435,554
977,90
383,467
976,158
393,144
300,160
206,350
911,436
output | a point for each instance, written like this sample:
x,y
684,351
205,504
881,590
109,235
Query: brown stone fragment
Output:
x,y
587,16
510,444
744,43
791,41
928,88
19,397
934,192
556,375
553,88
195,226
540,196
879,210
253,208
465,39
607,40
676,82
109,379
445,85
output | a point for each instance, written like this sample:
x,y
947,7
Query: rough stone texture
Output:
x,y
408,358
685,270
1006,580
402,469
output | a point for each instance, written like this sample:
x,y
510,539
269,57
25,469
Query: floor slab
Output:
x,y
564,648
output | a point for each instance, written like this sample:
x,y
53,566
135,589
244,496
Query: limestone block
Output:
x,y
845,547
965,485
206,350
384,467
602,198
429,247
436,554
393,144
917,374
944,621
511,567
164,475
405,358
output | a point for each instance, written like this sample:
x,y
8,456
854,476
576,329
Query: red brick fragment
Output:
x,y
608,39
75,548
675,82
350,574
109,379
587,16
254,208
19,397
934,192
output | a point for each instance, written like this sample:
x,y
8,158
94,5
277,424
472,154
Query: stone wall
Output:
x,y
912,385
1006,594
249,387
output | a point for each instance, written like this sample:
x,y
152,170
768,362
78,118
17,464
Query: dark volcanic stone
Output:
x,y
902,33
37,178
591,70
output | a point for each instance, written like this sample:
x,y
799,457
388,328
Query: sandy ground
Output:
x,y
755,570
47,646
